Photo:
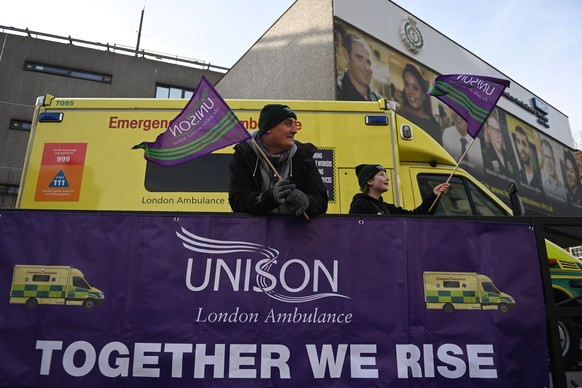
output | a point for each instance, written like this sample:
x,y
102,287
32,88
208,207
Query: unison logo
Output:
x,y
244,266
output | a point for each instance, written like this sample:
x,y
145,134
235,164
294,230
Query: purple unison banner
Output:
x,y
139,300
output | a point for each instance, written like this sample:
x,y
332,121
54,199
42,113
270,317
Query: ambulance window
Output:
x,y
455,203
206,174
451,284
463,199
489,287
79,282
484,205
40,278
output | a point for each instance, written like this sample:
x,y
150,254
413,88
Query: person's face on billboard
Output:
x,y
460,123
494,133
413,91
523,148
549,161
360,64
570,174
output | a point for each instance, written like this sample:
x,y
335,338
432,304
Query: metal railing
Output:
x,y
117,48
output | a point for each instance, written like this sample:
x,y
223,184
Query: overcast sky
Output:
x,y
534,42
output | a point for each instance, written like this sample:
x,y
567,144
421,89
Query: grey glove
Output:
x,y
297,202
282,189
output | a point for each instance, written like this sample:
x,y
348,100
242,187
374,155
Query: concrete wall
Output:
x,y
294,59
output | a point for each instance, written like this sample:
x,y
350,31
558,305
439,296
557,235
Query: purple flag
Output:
x,y
473,97
206,124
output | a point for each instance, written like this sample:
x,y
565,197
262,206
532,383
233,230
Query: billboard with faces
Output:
x,y
507,149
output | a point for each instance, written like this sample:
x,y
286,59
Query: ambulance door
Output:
x,y
465,197
491,294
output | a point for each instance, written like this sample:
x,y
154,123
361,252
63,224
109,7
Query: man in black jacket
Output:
x,y
253,185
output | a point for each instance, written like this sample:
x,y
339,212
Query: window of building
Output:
x,y
166,91
67,72
8,189
20,125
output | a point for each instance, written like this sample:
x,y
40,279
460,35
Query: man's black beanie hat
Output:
x,y
273,114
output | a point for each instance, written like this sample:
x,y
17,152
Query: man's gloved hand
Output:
x,y
282,189
297,202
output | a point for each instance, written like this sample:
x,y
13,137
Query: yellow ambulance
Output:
x,y
452,291
80,157
60,285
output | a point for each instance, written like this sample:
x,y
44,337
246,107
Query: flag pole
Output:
x,y
453,173
272,167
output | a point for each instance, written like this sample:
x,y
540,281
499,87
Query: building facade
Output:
x,y
312,52
34,64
